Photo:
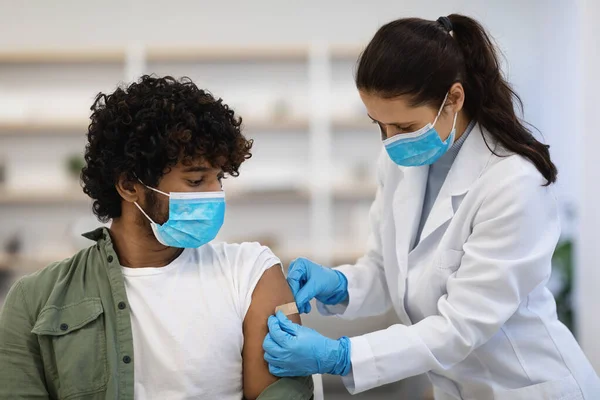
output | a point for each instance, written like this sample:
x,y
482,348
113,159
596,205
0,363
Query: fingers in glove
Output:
x,y
278,335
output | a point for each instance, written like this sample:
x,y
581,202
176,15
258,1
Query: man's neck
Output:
x,y
138,248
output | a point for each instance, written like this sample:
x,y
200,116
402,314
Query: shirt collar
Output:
x,y
98,234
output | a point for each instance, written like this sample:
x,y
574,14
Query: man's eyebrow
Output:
x,y
196,168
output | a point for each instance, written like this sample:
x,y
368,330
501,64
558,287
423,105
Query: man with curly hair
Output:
x,y
153,310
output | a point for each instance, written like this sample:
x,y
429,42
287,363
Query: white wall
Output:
x,y
588,260
212,22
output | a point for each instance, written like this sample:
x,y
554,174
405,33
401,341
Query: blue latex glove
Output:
x,y
309,280
295,350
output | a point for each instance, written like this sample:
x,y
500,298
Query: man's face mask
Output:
x,y
195,218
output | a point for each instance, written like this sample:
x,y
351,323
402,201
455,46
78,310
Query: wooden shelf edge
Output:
x,y
366,192
292,124
74,127
22,259
342,253
76,196
340,124
226,54
70,195
80,127
349,52
62,56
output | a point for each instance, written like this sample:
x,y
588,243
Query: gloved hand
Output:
x,y
295,350
309,280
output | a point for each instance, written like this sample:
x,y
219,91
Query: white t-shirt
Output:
x,y
187,320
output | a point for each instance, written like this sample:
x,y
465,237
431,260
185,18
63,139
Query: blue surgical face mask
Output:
x,y
195,218
422,147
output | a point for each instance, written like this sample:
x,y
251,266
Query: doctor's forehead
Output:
x,y
394,110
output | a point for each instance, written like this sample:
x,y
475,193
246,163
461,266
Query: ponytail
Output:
x,y
490,99
422,60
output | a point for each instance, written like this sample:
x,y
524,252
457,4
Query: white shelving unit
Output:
x,y
301,191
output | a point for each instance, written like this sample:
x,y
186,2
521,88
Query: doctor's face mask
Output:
x,y
408,140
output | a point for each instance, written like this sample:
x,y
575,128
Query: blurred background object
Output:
x,y
287,69
9,258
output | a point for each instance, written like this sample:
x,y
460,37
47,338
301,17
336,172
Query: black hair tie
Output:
x,y
446,23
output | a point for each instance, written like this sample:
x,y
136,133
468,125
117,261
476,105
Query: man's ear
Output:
x,y
130,191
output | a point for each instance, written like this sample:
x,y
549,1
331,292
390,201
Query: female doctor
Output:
x,y
463,228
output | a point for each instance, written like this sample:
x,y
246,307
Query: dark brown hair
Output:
x,y
422,60
146,128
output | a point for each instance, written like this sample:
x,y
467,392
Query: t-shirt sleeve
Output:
x,y
251,260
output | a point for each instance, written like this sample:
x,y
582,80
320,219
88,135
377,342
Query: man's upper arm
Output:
x,y
21,369
271,291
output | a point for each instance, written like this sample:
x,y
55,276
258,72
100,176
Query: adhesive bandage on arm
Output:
x,y
288,309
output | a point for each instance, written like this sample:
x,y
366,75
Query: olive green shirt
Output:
x,y
65,333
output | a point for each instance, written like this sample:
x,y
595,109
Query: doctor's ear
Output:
x,y
128,189
456,98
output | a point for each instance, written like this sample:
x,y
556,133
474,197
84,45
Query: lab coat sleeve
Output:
x,y
507,256
367,287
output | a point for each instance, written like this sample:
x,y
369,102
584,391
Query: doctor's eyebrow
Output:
x,y
397,124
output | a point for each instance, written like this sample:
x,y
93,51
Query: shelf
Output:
x,y
227,54
363,192
290,125
267,196
346,52
250,53
343,252
66,127
80,127
29,262
62,56
52,196
354,124
76,196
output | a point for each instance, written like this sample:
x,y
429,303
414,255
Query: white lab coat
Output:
x,y
471,296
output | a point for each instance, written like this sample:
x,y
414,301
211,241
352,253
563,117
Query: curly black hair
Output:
x,y
148,127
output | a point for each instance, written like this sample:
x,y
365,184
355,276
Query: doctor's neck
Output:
x,y
462,122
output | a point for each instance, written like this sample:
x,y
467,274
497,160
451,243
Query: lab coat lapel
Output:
x,y
407,207
467,167
408,204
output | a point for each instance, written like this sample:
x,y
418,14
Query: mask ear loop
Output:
x,y
140,208
151,188
440,110
144,212
453,129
